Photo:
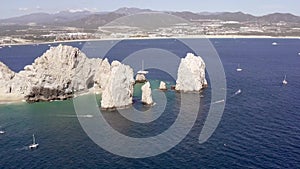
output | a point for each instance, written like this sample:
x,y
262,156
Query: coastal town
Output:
x,y
96,26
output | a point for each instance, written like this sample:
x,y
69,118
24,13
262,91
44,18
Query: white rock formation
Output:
x,y
140,78
118,92
147,94
55,75
163,86
191,74
5,75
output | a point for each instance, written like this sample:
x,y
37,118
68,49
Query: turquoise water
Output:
x,y
259,128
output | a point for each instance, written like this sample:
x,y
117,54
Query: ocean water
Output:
x,y
259,128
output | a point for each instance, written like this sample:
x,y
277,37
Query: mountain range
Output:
x,y
89,19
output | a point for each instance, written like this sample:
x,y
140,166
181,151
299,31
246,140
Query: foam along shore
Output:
x,y
171,37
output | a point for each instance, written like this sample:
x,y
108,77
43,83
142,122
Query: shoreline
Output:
x,y
150,38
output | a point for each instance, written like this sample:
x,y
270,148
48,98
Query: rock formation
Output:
x,y
118,92
191,74
5,75
140,78
147,94
57,74
162,86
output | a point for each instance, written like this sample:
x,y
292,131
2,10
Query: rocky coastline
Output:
x,y
63,71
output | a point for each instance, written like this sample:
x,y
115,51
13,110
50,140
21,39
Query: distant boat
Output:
x,y
274,43
239,69
299,53
2,132
33,145
142,71
238,92
284,82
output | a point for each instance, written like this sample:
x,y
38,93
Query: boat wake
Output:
x,y
76,116
223,100
24,148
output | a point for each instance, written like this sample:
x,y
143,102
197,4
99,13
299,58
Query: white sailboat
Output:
x,y
33,145
239,69
284,82
142,71
274,43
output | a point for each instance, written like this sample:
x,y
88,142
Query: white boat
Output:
x,y
284,82
299,53
274,43
239,69
33,145
238,92
2,132
142,71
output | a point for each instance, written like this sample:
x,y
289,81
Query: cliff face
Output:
x,y
55,75
118,92
5,75
191,74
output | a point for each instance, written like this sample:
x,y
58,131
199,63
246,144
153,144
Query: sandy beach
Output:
x,y
173,37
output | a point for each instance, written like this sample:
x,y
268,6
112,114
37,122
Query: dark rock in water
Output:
x,y
173,87
38,94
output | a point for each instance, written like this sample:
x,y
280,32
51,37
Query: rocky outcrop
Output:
x,y
147,94
118,92
191,74
5,75
57,74
140,78
163,86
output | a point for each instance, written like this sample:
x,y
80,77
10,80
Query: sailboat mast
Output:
x,y
33,139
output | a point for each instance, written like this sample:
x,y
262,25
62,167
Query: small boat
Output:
x,y
274,43
239,69
299,53
142,71
238,92
284,82
2,132
33,145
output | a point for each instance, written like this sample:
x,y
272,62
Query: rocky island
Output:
x,y
191,74
118,92
63,71
147,94
56,75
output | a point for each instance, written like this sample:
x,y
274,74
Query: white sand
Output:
x,y
174,37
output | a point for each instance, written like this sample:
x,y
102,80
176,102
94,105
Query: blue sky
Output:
x,y
256,7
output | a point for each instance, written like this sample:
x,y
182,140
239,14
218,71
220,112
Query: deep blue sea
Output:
x,y
260,128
